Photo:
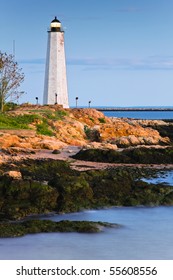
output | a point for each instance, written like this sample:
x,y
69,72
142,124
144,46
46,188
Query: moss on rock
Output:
x,y
135,155
50,185
45,226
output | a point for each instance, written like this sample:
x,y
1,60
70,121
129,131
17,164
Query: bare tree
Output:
x,y
11,77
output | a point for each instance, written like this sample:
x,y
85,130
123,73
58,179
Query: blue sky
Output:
x,y
118,52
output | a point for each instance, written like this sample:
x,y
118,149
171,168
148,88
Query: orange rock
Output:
x,y
14,174
77,127
7,140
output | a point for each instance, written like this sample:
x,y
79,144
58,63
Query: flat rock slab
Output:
x,y
19,132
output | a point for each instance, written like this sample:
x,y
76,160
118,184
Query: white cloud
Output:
x,y
149,63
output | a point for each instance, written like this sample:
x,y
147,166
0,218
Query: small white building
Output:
x,y
55,86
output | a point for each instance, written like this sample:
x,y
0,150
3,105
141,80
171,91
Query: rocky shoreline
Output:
x,y
89,161
51,127
33,186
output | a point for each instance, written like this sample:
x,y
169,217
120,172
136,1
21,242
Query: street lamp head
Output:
x,y
76,101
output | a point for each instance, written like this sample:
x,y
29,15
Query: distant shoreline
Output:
x,y
131,109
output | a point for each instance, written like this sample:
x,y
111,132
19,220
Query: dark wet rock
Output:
x,y
37,226
143,155
51,185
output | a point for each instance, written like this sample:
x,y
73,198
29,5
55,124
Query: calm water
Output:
x,y
140,115
165,177
146,233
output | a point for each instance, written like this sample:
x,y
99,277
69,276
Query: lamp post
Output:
x,y
76,101
89,103
36,100
56,98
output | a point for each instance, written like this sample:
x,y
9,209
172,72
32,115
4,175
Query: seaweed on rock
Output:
x,y
134,155
19,198
45,226
50,185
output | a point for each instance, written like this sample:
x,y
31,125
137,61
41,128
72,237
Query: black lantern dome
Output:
x,y
55,25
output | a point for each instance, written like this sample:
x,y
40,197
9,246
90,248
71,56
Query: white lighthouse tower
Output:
x,y
55,87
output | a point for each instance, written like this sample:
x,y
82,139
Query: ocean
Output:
x,y
145,233
150,115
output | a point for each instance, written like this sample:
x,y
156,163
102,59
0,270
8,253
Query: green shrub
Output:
x,y
44,129
10,106
92,134
91,119
102,120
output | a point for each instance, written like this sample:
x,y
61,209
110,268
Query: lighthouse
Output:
x,y
55,85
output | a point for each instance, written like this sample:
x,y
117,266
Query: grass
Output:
x,y
44,129
22,121
51,115
17,122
